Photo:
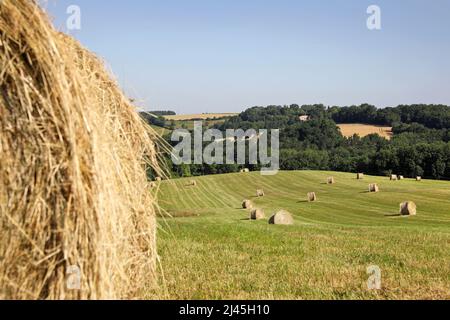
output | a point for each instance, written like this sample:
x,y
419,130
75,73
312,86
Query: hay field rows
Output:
x,y
350,129
210,250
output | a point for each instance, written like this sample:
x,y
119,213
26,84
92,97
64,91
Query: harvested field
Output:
x,y
324,255
348,130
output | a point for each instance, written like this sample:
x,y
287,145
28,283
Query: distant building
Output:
x,y
304,118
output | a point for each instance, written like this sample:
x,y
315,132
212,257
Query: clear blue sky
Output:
x,y
196,56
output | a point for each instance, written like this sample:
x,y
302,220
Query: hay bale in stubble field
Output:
x,y
408,208
312,197
360,176
331,180
247,204
73,187
394,177
282,217
260,193
257,214
245,170
418,178
193,183
401,178
373,187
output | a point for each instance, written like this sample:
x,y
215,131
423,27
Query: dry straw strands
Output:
x,y
73,188
312,196
373,187
408,208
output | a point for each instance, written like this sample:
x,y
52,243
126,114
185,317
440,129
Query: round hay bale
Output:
x,y
245,170
394,177
282,217
247,204
401,177
408,208
312,197
158,179
373,187
418,178
257,214
193,183
73,184
260,193
360,176
331,180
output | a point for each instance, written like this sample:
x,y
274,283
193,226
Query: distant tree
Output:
x,y
163,113
420,145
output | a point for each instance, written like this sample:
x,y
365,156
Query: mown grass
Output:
x,y
210,250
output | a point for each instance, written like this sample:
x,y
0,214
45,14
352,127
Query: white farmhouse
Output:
x,y
304,118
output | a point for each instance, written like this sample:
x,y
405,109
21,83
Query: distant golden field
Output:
x,y
348,130
204,116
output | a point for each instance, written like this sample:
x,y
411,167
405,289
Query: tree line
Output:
x,y
420,145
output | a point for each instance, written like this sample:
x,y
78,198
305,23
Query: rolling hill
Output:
x,y
210,250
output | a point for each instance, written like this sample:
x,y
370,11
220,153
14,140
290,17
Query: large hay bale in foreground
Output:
x,y
311,197
247,204
360,176
257,214
331,180
282,217
373,187
408,208
73,186
260,193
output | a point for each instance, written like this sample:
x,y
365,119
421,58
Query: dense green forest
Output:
x,y
163,113
420,145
